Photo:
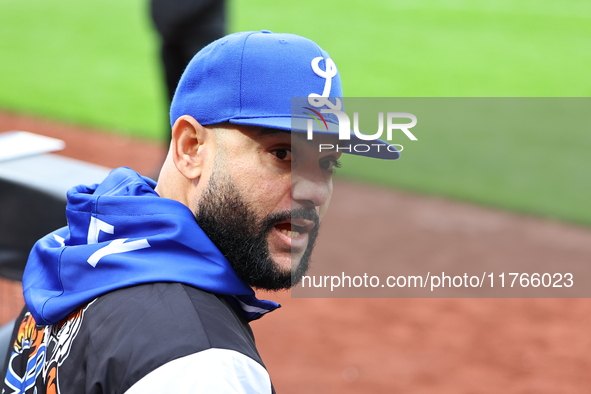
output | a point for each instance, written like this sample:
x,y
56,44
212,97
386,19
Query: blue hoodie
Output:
x,y
120,233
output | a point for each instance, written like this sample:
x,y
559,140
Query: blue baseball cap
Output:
x,y
250,78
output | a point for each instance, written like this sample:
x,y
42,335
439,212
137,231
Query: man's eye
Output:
x,y
283,154
330,165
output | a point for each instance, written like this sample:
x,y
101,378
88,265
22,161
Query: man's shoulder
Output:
x,y
147,326
167,309
172,300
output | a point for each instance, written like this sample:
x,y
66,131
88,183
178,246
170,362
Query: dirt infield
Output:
x,y
369,345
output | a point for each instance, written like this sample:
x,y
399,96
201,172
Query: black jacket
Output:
x,y
151,338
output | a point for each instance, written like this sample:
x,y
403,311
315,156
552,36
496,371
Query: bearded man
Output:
x,y
149,287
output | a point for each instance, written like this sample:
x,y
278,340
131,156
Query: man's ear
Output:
x,y
187,146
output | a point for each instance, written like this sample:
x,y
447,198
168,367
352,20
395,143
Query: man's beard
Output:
x,y
241,236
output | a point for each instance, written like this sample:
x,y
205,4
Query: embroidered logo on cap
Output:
x,y
320,100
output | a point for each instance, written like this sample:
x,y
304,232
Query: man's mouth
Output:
x,y
293,228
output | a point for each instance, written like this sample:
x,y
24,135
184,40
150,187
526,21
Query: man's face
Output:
x,y
264,201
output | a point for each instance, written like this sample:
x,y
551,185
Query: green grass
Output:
x,y
95,63
393,48
526,154
92,62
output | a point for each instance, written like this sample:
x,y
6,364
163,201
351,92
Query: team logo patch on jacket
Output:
x,y
37,353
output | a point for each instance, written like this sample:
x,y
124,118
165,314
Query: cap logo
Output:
x,y
317,100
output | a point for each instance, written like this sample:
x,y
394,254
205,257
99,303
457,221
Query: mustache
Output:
x,y
298,213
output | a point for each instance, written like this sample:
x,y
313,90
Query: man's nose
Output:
x,y
310,188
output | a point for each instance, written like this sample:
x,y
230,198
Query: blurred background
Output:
x,y
93,69
97,64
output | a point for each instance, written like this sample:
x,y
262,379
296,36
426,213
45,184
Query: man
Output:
x,y
149,287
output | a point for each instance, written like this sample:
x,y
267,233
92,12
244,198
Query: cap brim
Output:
x,y
376,149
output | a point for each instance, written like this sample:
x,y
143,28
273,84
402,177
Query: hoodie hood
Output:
x,y
120,233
